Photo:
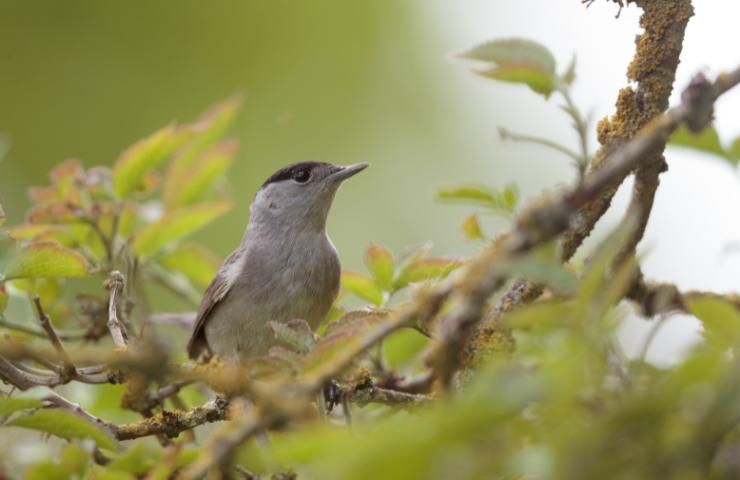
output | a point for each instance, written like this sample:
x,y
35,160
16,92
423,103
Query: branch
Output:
x,y
654,68
69,367
373,394
172,423
657,298
115,284
168,423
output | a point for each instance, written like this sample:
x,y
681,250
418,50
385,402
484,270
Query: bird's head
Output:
x,y
301,194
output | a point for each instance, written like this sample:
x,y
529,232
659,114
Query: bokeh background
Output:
x,y
372,81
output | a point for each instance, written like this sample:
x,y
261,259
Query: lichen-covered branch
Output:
x,y
172,423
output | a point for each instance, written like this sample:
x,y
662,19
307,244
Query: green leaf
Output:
x,y
471,228
206,131
10,405
706,141
98,472
132,165
735,148
362,286
45,471
543,266
3,299
74,460
192,260
138,459
469,194
176,225
499,202
425,269
720,319
65,424
517,60
46,259
570,74
2,215
295,334
341,338
379,262
194,182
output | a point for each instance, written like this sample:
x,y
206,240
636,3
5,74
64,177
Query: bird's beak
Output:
x,y
345,172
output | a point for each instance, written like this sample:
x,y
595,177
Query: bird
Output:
x,y
285,267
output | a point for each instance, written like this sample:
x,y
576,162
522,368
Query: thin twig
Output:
x,y
69,367
519,137
168,423
115,284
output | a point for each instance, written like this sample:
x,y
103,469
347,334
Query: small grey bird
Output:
x,y
285,268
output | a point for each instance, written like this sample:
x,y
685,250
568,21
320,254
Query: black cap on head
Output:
x,y
295,170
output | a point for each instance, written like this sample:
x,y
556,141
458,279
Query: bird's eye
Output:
x,y
301,176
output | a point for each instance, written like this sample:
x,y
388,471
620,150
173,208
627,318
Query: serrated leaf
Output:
x,y
471,228
517,60
133,164
362,286
720,319
10,405
65,424
425,269
706,141
176,225
194,182
46,259
379,261
192,260
295,334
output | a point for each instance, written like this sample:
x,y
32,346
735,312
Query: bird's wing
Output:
x,y
216,291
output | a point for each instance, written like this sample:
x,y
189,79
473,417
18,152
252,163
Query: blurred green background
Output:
x,y
332,80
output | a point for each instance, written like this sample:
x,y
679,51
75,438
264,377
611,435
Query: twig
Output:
x,y
180,319
384,396
69,367
115,284
172,423
168,423
518,137
56,400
